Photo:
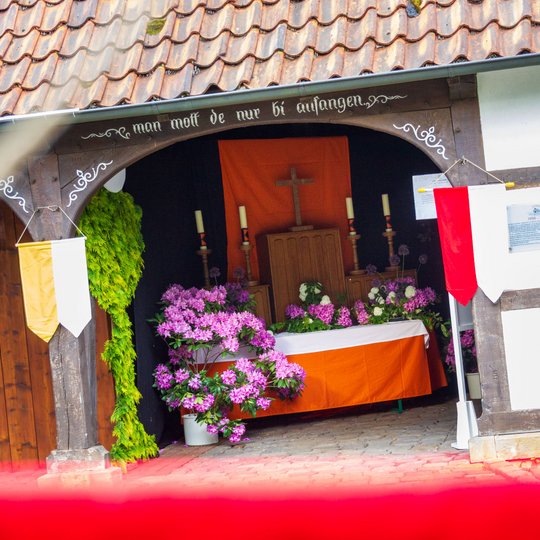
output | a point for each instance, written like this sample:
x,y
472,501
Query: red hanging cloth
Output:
x,y
454,221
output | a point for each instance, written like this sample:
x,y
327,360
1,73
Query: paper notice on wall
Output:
x,y
523,227
424,202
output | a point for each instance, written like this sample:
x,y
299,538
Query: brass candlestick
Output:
x,y
246,248
356,271
389,234
204,256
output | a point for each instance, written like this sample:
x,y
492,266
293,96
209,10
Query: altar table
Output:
x,y
359,365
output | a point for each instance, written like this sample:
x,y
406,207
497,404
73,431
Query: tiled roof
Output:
x,y
58,54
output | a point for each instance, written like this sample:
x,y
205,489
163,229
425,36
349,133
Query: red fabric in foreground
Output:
x,y
479,513
454,221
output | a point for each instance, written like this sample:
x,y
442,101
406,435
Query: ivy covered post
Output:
x,y
114,246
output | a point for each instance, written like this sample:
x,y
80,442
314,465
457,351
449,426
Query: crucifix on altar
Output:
x,y
294,182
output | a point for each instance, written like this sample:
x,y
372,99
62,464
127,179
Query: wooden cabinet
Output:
x,y
358,286
261,297
295,257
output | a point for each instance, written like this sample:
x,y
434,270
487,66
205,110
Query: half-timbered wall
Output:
x,y
27,417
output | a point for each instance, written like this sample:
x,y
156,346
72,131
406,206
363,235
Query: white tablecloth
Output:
x,y
289,343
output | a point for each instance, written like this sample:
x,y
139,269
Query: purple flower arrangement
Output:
x,y
397,299
200,325
468,352
313,318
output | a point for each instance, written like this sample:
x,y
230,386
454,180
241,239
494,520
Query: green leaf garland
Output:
x,y
114,247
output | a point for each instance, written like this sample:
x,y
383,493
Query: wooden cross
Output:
x,y
294,182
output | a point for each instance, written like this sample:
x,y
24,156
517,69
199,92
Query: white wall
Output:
x,y
522,346
510,117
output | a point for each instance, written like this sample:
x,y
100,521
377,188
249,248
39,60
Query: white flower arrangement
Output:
x,y
310,292
303,292
410,291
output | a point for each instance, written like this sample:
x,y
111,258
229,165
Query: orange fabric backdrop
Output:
x,y
371,373
250,169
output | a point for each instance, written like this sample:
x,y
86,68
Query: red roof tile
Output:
x,y
57,53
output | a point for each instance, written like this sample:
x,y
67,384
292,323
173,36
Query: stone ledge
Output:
x,y
81,479
490,448
94,458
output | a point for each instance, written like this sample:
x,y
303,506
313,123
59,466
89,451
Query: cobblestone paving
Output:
x,y
412,449
370,450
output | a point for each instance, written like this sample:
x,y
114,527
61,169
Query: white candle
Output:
x,y
385,204
350,209
199,221
243,218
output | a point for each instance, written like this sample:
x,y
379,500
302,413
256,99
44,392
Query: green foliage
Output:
x,y
114,246
155,26
300,325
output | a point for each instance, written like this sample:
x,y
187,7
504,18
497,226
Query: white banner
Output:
x,y
490,237
498,268
71,284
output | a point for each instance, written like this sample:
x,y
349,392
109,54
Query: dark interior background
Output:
x,y
170,184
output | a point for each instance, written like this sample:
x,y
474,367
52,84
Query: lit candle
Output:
x,y
199,221
350,209
385,204
243,218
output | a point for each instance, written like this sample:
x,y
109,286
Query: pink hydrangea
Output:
x,y
195,322
344,317
323,312
362,316
292,311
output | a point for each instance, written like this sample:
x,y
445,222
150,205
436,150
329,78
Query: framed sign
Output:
x,y
424,202
523,227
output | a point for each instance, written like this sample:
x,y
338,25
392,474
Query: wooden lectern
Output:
x,y
288,259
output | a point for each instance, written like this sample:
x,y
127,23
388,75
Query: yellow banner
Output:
x,y
35,260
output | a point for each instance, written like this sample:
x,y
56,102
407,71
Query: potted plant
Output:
x,y
470,363
201,326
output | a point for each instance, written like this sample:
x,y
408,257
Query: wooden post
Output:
x,y
72,358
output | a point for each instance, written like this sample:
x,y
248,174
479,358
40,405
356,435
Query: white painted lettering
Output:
x,y
217,118
248,114
278,108
147,127
316,104
186,122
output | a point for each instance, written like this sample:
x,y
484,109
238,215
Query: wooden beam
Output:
x,y
72,358
16,382
486,315
105,382
40,376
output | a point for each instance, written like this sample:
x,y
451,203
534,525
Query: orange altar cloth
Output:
x,y
361,374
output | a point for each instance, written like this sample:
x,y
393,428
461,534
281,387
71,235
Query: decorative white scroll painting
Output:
x,y
9,192
85,178
427,136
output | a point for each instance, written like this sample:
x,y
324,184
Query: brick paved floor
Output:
x,y
359,450
349,451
